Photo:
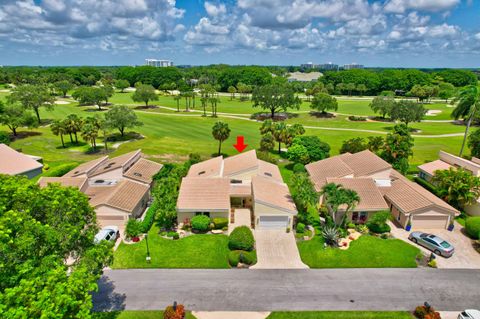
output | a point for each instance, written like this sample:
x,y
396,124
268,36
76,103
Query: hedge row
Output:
x,y
428,186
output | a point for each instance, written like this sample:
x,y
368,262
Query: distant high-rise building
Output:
x,y
328,66
158,63
352,66
309,65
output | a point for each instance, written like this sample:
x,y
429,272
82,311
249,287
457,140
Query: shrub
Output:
x,y
378,228
299,168
170,313
300,228
133,228
171,234
377,223
4,138
147,221
201,223
267,157
241,256
330,234
60,170
357,118
220,222
350,225
241,238
176,236
472,227
428,186
422,312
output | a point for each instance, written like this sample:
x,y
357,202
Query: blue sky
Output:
x,y
397,33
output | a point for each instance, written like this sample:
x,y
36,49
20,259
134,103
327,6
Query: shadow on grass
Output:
x,y
71,145
410,129
143,107
24,134
322,115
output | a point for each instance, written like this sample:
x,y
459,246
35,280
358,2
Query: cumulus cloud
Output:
x,y
400,6
215,10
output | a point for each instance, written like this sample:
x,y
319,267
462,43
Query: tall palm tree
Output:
x,y
177,98
58,128
220,132
468,102
335,196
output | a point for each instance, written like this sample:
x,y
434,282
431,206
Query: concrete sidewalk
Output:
x,y
230,315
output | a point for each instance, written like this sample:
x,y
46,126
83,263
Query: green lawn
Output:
x,y
340,315
198,251
365,252
129,314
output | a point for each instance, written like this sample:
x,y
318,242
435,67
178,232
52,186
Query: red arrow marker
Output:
x,y
240,146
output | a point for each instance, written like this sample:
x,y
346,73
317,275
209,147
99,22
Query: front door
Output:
x,y
359,217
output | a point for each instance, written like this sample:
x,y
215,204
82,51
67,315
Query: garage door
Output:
x,y
112,220
429,222
273,222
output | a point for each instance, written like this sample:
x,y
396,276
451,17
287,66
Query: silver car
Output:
x,y
434,243
469,314
109,233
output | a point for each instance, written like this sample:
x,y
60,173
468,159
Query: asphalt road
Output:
x,y
268,290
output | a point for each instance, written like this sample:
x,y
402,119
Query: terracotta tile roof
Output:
x,y
86,168
431,167
273,193
409,197
269,170
476,160
143,170
204,194
14,163
125,195
371,199
240,163
241,189
208,168
365,163
77,182
114,163
329,167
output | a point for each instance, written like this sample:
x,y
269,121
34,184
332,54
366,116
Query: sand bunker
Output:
x,y
62,102
433,112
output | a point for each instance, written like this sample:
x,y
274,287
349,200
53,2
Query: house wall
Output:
x,y
424,175
400,217
264,210
385,174
369,214
141,205
473,210
182,216
31,174
457,161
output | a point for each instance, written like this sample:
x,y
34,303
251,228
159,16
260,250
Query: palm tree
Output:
x,y
73,124
90,131
220,132
335,196
58,128
177,98
468,102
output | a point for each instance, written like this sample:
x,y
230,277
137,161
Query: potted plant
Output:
x,y
409,226
451,226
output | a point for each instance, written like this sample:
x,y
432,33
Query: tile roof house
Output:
x,y
447,161
16,163
118,188
380,187
218,186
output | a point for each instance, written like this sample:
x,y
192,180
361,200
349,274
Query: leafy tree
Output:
x,y
275,98
293,131
107,92
458,78
32,97
91,95
304,195
220,132
232,90
353,145
58,128
468,102
474,143
382,105
121,85
375,143
317,150
73,124
458,187
267,143
144,93
14,116
323,102
63,86
335,195
298,154
362,88
446,91
398,148
121,117
90,131
407,112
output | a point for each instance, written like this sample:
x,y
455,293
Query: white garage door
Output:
x,y
429,222
273,222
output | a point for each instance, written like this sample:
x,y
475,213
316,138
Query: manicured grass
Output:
x,y
340,315
198,251
365,252
129,314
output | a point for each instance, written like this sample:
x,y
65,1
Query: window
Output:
x,y
202,213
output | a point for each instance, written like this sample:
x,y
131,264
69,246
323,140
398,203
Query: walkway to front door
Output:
x,y
276,249
241,217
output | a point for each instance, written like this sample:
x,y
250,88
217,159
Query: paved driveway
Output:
x,y
276,249
242,218
465,255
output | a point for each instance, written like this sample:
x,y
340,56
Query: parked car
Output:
x,y
109,233
434,243
469,314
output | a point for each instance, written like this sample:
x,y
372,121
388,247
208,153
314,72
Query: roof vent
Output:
x,y
137,174
201,173
267,174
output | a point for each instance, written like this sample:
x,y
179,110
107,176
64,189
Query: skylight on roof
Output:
x,y
137,174
201,173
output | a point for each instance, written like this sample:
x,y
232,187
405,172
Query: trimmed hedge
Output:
x,y
201,223
300,228
472,227
60,170
428,186
245,257
241,238
378,228
147,221
220,222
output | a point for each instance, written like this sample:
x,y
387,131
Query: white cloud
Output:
x,y
213,10
400,6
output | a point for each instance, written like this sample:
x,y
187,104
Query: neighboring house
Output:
x,y
380,187
16,163
118,188
447,161
218,186
303,77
